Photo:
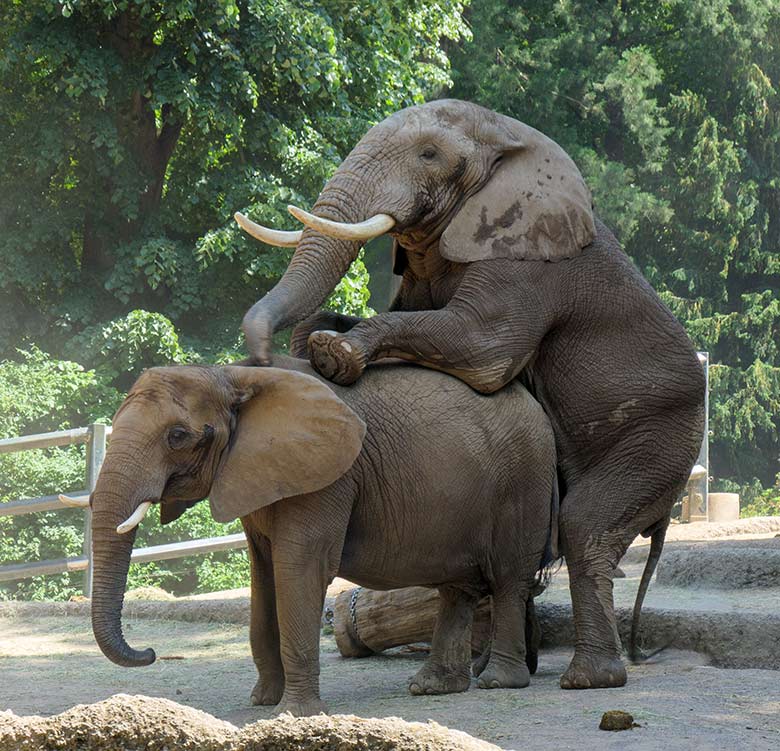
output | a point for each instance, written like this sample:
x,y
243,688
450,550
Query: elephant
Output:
x,y
455,492
507,273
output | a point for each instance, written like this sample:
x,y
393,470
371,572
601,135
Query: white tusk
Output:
x,y
278,237
135,518
74,502
373,227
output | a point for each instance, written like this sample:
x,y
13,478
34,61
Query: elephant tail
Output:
x,y
657,534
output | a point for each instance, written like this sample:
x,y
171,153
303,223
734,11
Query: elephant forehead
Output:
x,y
174,389
441,115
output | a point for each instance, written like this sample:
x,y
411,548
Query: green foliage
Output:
x,y
764,502
351,294
39,394
132,131
672,111
122,348
203,573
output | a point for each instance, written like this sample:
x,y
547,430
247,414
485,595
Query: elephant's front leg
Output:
x,y
264,628
322,320
484,358
301,579
485,341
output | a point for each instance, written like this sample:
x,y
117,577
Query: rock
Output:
x,y
615,719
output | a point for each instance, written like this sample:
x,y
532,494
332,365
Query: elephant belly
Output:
x,y
375,557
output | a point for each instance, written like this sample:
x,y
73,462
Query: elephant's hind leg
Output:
x,y
506,666
448,669
600,517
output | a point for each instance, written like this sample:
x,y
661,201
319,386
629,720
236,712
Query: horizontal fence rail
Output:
x,y
95,437
164,552
44,440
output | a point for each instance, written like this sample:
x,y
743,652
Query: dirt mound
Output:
x,y
134,723
350,733
142,723
149,593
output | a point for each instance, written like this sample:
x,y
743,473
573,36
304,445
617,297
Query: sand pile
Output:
x,y
121,722
142,723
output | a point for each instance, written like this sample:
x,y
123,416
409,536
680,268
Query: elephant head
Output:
x,y
245,437
479,184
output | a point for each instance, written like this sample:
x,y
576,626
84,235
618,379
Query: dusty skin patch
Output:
x,y
143,723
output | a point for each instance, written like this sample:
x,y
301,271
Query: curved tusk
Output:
x,y
373,227
135,518
278,237
73,502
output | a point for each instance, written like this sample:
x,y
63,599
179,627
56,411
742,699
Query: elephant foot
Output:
x,y
433,678
500,674
267,692
335,357
594,672
302,708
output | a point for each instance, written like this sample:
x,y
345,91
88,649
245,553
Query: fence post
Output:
x,y
96,451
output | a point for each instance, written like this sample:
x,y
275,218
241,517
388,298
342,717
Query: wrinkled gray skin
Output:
x,y
453,493
612,367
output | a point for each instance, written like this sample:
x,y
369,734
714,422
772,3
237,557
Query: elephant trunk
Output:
x,y
317,266
111,560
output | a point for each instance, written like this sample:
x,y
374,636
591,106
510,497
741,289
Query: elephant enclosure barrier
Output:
x,y
95,436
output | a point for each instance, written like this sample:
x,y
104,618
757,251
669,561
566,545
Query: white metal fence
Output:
x,y
95,436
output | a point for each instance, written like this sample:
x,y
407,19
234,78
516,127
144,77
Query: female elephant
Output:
x,y
505,270
367,483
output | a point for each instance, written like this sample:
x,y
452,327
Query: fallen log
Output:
x,y
366,622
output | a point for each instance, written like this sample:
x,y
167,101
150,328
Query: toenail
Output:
x,y
346,346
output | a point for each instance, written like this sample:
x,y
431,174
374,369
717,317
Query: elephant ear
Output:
x,y
293,435
535,206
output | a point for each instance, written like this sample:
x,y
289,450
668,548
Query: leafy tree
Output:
x,y
133,129
672,111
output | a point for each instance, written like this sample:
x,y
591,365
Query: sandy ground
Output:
x,y
48,666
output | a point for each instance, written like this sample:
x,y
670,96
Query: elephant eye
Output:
x,y
428,154
177,437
